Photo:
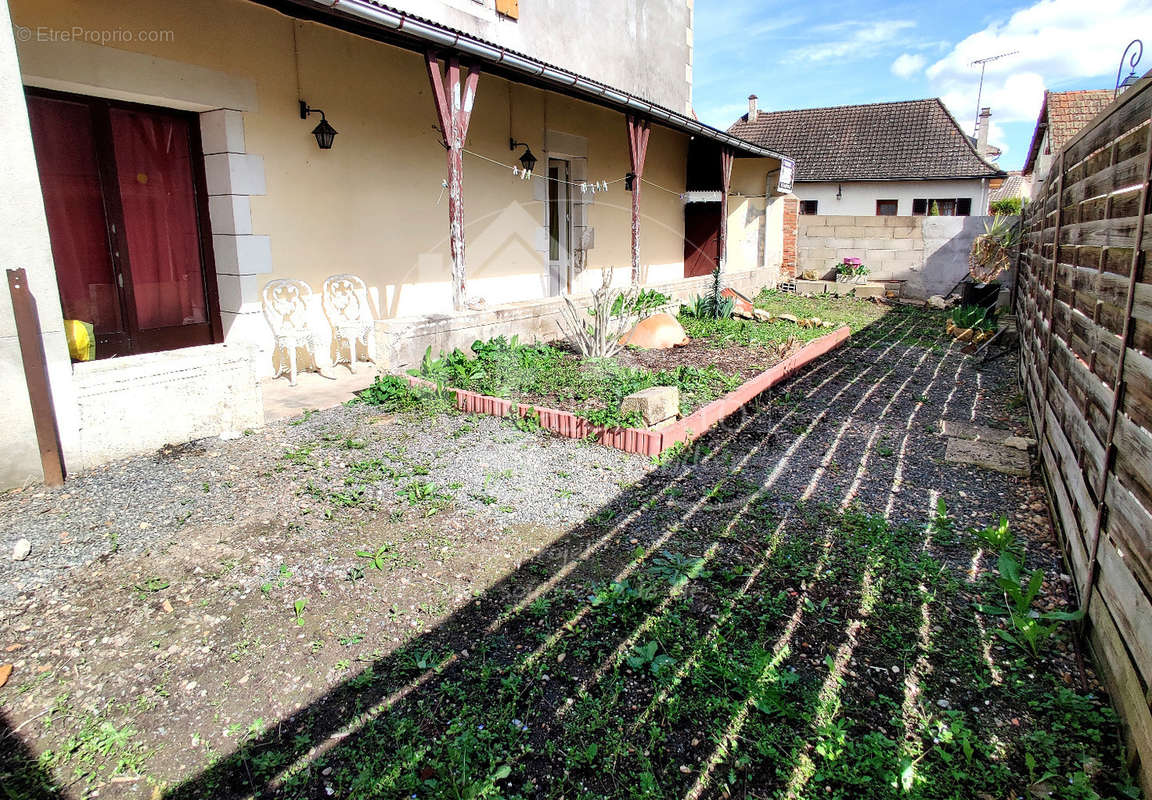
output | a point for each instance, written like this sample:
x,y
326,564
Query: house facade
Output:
x,y
1062,115
161,168
907,158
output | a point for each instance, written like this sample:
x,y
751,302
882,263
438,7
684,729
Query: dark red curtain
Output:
x,y
70,180
158,193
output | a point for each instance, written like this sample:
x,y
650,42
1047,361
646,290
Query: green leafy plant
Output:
x,y
713,305
151,585
391,392
998,537
425,493
646,301
1027,630
647,656
380,559
1009,206
299,607
677,569
974,317
851,270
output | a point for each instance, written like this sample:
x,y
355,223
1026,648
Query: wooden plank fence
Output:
x,y
1085,314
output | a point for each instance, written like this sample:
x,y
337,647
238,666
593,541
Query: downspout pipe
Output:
x,y
433,34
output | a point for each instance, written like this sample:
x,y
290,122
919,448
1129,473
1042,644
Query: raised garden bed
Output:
x,y
644,441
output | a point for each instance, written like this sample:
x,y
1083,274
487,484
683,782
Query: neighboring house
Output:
x,y
1062,115
1016,184
906,158
158,173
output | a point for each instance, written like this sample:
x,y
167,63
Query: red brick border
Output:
x,y
653,442
789,260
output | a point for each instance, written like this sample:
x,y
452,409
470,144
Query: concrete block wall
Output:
x,y
929,253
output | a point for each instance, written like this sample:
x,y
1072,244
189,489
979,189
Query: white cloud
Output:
x,y
851,38
908,64
1061,44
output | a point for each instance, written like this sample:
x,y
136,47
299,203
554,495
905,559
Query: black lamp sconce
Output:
x,y
323,132
527,160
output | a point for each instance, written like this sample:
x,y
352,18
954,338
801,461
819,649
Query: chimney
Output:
x,y
982,131
753,113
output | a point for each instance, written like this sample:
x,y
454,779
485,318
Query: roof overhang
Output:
x,y
395,27
917,179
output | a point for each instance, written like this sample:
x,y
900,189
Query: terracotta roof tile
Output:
x,y
911,139
1063,114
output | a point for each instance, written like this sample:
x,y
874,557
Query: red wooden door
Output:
x,y
701,238
123,190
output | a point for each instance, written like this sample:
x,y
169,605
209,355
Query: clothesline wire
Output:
x,y
577,184
591,183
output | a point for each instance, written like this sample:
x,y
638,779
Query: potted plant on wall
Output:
x,y
851,270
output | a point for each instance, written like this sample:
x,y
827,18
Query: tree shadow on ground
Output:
x,y
762,616
21,774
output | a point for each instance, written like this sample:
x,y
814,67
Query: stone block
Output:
x,y
961,429
836,220
851,232
996,457
810,287
817,231
871,222
655,404
870,290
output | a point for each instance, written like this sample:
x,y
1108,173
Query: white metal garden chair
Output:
x,y
345,300
285,303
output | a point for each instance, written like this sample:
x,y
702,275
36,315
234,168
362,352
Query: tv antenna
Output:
x,y
983,62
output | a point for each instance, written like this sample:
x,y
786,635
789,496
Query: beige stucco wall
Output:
x,y
25,244
374,204
641,46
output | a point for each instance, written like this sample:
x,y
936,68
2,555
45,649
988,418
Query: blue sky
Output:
x,y
825,53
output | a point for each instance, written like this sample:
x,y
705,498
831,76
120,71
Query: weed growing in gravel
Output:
x,y
425,494
380,559
1020,591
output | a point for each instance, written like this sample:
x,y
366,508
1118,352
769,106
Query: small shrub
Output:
x,y
390,392
1009,206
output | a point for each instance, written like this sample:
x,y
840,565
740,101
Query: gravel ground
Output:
x,y
494,473
164,593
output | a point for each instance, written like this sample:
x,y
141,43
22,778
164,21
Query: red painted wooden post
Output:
x,y
726,156
637,149
454,111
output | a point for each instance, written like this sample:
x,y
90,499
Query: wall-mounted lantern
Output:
x,y
527,160
323,132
